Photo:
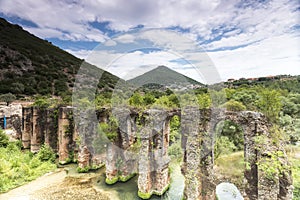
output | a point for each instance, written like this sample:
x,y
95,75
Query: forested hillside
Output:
x,y
30,65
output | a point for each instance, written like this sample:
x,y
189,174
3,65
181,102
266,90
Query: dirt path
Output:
x,y
25,192
60,185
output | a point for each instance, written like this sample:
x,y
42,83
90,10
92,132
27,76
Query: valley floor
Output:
x,y
55,186
27,191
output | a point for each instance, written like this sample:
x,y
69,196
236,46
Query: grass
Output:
x,y
293,153
231,167
18,168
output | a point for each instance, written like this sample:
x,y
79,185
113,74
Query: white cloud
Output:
x,y
125,38
273,56
110,43
70,19
259,23
265,26
83,54
135,63
44,33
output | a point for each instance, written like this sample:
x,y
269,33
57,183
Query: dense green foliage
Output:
x,y
17,167
8,98
31,65
46,154
175,149
110,129
3,139
293,155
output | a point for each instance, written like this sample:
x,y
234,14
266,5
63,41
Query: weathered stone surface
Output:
x,y
153,161
84,157
13,115
11,110
27,130
39,123
111,159
51,128
86,134
121,163
192,153
65,135
285,185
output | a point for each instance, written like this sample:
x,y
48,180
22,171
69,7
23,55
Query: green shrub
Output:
x,y
46,154
175,150
8,98
3,139
223,146
110,129
233,105
17,167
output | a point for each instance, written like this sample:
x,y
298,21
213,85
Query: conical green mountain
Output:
x,y
164,76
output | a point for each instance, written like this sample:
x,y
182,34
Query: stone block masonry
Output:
x,y
121,163
141,147
66,133
13,118
154,177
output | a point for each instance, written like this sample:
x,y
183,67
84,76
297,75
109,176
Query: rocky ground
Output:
x,y
71,189
57,186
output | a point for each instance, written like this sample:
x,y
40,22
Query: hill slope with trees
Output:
x,y
30,65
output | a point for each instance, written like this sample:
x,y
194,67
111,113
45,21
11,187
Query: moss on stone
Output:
x,y
163,191
126,178
67,161
94,167
143,195
83,170
111,181
147,195
88,168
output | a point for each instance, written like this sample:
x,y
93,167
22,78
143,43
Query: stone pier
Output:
x,y
66,130
51,128
121,162
154,161
38,129
141,147
27,127
91,153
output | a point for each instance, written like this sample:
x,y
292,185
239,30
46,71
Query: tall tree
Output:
x,y
8,98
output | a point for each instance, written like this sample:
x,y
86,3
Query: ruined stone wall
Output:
x,y
91,152
257,184
59,131
13,115
121,162
66,134
192,153
51,128
39,127
37,135
27,127
154,161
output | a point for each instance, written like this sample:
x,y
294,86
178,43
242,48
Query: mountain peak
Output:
x,y
165,76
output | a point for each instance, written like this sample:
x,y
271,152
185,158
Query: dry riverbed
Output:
x,y
58,186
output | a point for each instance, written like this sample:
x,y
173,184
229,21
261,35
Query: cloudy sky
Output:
x,y
240,38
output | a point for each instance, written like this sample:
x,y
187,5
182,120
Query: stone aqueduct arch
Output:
x,y
151,161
